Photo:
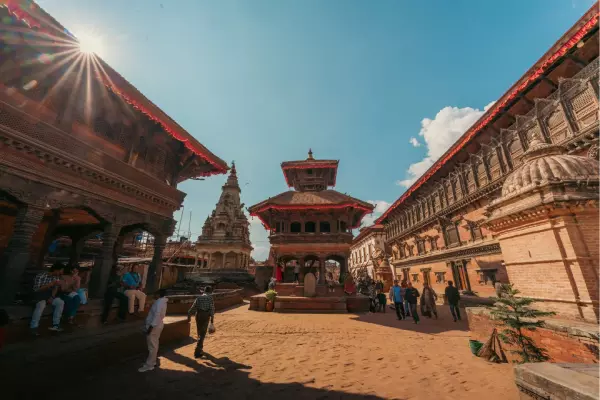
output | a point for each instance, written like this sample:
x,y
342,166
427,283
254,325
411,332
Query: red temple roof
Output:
x,y
303,200
328,167
567,42
43,23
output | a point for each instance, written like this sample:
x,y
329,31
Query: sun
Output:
x,y
90,44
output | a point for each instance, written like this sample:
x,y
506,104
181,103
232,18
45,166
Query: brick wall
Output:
x,y
564,344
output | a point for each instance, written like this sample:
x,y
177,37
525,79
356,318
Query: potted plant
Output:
x,y
270,295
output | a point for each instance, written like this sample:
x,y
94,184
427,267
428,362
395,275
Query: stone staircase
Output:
x,y
294,304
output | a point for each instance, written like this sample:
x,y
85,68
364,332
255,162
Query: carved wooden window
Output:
x,y
557,126
278,227
421,246
494,163
457,189
440,277
310,226
343,227
415,277
584,107
324,226
451,233
475,231
481,174
471,187
448,191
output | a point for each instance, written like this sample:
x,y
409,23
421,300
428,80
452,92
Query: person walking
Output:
x,y
411,296
405,303
453,297
153,328
428,298
204,310
397,299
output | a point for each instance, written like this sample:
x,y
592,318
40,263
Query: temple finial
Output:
x,y
310,154
233,170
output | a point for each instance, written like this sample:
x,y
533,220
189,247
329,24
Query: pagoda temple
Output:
x,y
225,239
312,224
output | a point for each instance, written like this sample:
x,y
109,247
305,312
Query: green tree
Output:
x,y
518,318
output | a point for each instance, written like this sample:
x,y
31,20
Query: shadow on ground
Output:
x,y
209,378
444,323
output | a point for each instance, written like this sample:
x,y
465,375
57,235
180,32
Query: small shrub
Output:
x,y
270,295
516,315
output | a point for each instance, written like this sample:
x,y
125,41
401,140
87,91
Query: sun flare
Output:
x,y
90,44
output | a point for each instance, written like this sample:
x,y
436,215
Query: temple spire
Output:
x,y
310,154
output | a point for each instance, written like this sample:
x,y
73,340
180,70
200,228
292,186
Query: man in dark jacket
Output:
x,y
453,296
411,296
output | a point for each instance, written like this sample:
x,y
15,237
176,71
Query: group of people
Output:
x,y
405,298
60,287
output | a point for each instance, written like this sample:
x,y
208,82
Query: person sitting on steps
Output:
x,y
133,290
45,287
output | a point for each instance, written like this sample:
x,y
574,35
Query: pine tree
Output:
x,y
518,317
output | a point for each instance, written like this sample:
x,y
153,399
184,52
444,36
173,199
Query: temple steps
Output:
x,y
293,304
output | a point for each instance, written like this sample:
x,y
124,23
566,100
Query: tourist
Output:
x,y
428,298
46,286
411,296
396,297
154,326
133,285
406,305
330,282
114,290
379,286
70,284
453,297
279,273
349,286
204,309
382,300
297,272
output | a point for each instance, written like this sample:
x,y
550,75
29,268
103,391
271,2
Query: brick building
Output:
x,y
437,229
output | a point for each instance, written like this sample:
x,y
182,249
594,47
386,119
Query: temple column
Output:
x,y
52,223
104,263
155,270
209,262
322,270
302,263
18,252
224,260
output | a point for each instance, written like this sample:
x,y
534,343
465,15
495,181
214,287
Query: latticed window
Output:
x,y
421,246
440,277
452,236
475,232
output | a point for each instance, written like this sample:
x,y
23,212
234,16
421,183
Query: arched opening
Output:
x,y
312,264
290,265
216,261
335,268
310,227
134,250
324,227
295,227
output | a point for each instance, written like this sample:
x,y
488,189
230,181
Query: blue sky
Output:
x,y
259,82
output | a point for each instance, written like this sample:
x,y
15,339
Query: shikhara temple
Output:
x,y
84,156
311,224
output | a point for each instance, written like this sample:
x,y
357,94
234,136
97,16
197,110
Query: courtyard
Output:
x,y
315,356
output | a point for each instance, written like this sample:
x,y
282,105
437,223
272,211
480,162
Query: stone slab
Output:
x,y
555,382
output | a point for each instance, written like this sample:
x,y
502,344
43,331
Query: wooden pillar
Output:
x,y
155,271
18,252
322,270
224,260
467,281
77,244
103,264
52,223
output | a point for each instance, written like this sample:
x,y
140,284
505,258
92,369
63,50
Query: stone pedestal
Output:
x,y
557,381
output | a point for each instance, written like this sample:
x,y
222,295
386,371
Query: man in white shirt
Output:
x,y
153,328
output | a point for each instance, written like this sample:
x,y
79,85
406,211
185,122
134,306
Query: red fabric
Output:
x,y
497,108
279,274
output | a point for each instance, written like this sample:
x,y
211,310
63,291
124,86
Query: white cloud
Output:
x,y
259,238
380,207
413,140
439,134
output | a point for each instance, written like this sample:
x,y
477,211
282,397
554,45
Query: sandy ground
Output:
x,y
312,356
